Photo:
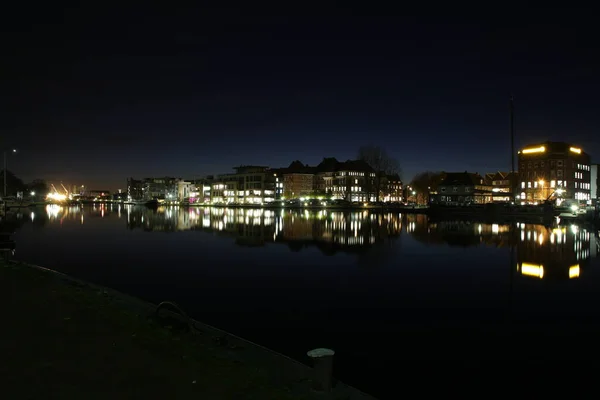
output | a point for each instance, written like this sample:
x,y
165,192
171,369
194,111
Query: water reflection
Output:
x,y
542,252
256,227
560,252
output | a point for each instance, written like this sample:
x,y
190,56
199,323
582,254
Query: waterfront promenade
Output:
x,y
66,339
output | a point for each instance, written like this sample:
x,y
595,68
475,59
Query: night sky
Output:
x,y
92,96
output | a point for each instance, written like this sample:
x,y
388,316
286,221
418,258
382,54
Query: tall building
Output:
x,y
135,189
595,194
553,168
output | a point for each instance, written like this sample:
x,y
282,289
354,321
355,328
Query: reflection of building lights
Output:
x,y
541,239
574,229
53,210
532,270
574,271
32,216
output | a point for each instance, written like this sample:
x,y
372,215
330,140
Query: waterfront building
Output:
x,y
163,188
135,189
250,184
594,182
184,190
298,180
390,188
552,168
200,191
462,188
503,184
352,180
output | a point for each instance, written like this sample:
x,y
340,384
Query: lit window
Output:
x,y
552,184
529,185
522,185
535,184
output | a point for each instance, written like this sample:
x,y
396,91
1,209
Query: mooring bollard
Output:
x,y
322,367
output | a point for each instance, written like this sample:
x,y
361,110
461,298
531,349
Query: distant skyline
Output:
x,y
95,95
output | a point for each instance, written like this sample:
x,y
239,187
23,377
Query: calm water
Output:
x,y
380,289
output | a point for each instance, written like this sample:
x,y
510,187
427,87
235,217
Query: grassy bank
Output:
x,y
72,341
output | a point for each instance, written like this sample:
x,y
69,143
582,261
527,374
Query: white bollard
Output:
x,y
322,366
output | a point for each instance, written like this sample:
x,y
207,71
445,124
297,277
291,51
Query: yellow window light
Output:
x,y
574,271
575,150
540,149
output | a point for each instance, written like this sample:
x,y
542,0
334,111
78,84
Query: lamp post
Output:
x,y
5,167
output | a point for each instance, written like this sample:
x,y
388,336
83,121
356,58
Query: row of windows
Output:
x,y
582,196
583,167
582,185
553,173
578,175
553,184
343,188
558,163
553,163
353,173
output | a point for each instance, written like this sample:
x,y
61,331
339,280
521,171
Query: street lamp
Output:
x,y
13,151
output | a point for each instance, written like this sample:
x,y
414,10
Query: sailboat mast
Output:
x,y
512,148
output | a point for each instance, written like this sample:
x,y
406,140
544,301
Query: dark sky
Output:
x,y
94,95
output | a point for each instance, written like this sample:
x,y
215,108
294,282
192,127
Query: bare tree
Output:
x,y
425,182
383,164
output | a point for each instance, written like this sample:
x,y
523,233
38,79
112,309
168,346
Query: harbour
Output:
x,y
298,279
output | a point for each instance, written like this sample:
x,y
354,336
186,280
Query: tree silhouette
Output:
x,y
13,183
383,164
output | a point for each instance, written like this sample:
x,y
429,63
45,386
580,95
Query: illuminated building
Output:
x,y
352,180
135,189
502,184
250,184
548,166
162,188
201,191
594,192
462,188
298,180
390,188
184,190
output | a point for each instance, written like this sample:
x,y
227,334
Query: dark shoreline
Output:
x,y
290,376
